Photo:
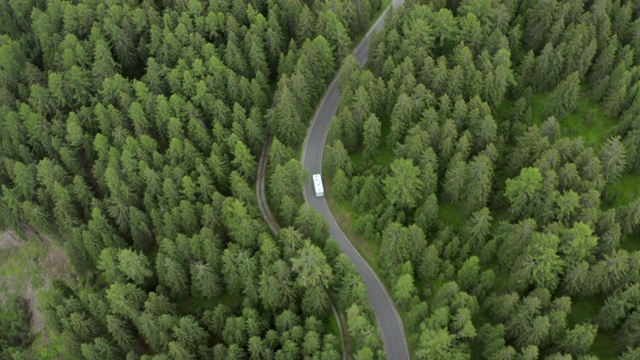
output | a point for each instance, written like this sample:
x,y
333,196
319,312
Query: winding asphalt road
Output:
x,y
389,321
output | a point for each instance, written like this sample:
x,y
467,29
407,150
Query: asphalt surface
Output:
x,y
389,320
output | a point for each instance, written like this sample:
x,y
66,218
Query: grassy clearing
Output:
x,y
622,193
49,347
343,213
331,325
20,265
190,304
587,121
626,190
630,243
27,266
584,310
449,214
502,281
603,346
384,155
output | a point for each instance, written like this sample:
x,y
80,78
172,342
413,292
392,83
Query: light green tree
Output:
x,y
134,266
311,266
403,187
521,190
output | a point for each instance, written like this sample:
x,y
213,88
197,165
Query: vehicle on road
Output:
x,y
317,185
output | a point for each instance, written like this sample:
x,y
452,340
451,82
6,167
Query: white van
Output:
x,y
317,185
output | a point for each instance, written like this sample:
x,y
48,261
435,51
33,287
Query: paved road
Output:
x,y
389,321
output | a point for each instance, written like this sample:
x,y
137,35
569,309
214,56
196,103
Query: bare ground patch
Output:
x,y
30,265
9,239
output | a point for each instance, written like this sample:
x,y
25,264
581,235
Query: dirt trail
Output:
x,y
9,239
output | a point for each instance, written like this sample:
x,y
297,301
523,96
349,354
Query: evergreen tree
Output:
x,y
311,266
521,190
340,186
564,98
613,159
404,186
338,158
372,132
312,225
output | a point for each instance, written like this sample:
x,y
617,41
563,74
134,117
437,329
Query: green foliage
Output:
x,y
311,266
340,185
312,225
522,189
588,121
555,217
505,135
564,98
404,186
613,159
14,327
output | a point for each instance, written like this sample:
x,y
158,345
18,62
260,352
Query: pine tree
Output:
x,y
579,339
521,190
338,158
454,180
122,334
404,186
613,158
315,301
189,333
396,247
478,227
311,266
205,282
341,186
370,195
312,225
174,275
284,120
564,98
372,131
469,274
404,291
101,348
244,161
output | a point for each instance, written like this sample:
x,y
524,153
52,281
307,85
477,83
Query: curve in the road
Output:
x,y
261,194
389,320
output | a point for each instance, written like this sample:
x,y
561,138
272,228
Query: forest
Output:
x,y
130,132
489,156
485,161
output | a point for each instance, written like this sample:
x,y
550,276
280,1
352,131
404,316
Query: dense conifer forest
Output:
x,y
490,156
130,132
486,161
